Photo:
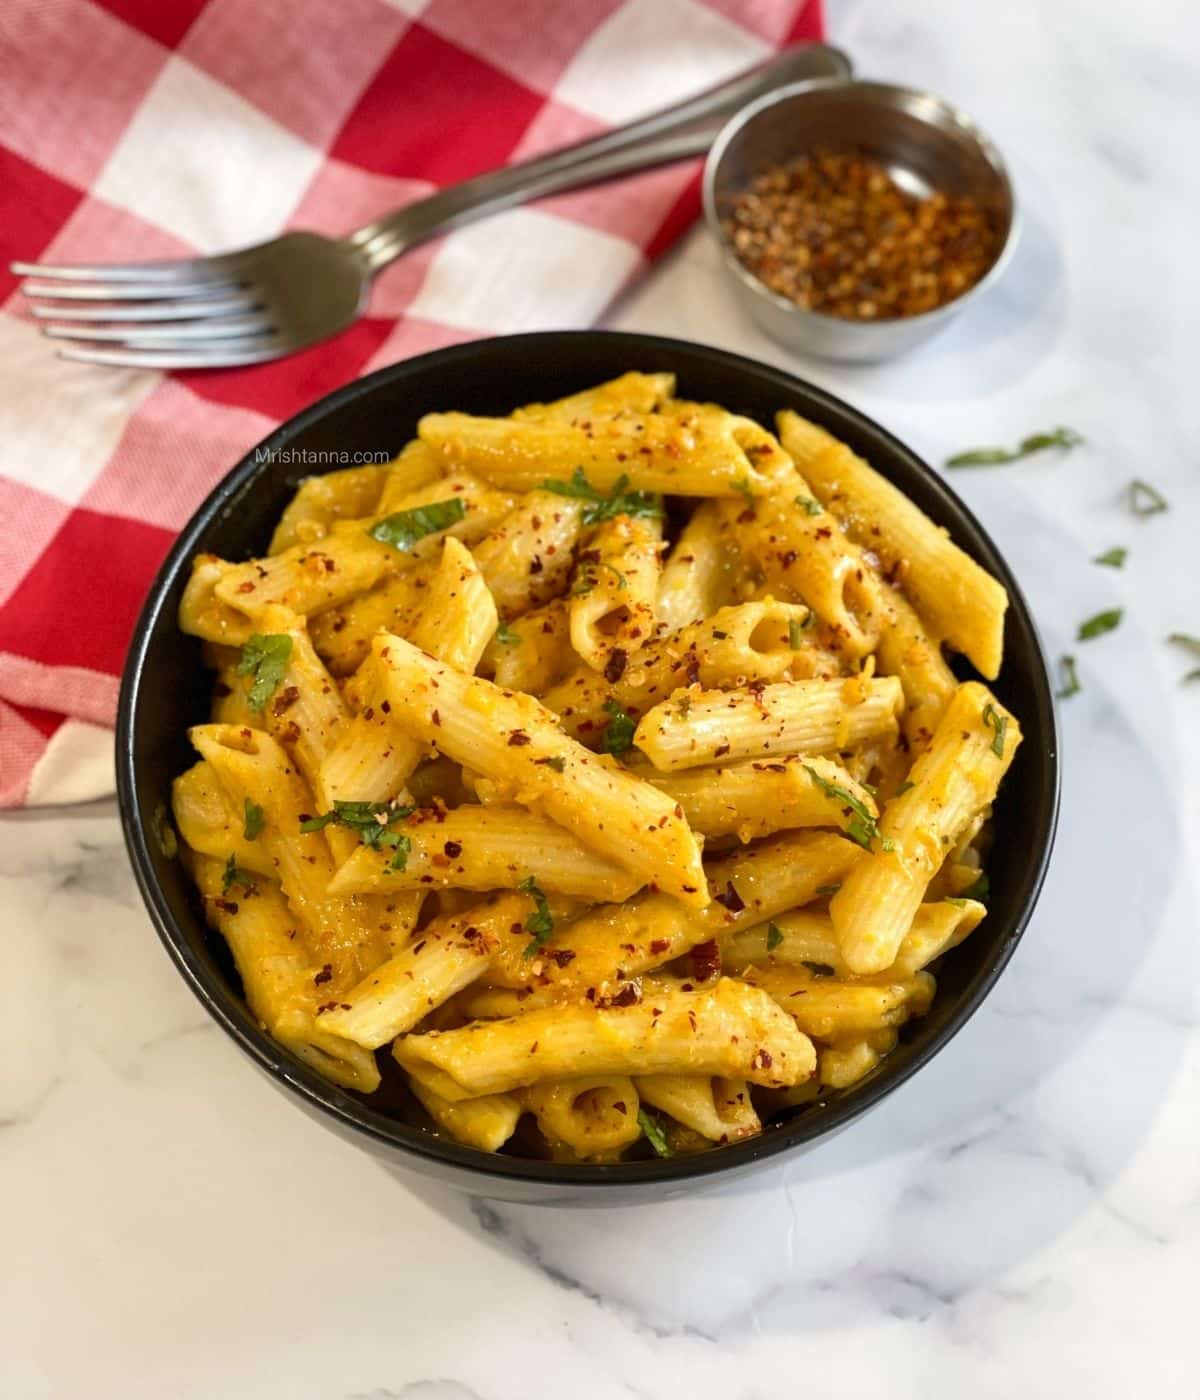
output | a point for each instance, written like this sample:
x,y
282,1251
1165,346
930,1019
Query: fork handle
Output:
x,y
674,133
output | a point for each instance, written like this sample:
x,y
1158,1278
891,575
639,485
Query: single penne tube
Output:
x,y
211,825
605,946
279,981
341,934
486,1123
531,652
839,1066
443,958
700,571
687,454
826,1008
613,595
727,1029
351,494
632,392
755,722
907,651
459,614
955,779
203,614
800,547
516,742
751,800
594,1116
528,556
737,645
961,601
805,937
718,1109
413,468
486,848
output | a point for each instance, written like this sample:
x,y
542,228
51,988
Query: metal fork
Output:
x,y
267,301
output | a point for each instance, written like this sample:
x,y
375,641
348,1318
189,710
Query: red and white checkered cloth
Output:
x,y
157,128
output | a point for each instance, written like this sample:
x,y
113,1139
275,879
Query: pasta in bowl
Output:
x,y
594,772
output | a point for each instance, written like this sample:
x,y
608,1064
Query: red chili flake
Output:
x,y
368,713
437,719
246,587
614,667
590,994
660,945
453,849
746,516
325,975
290,733
328,1006
518,739
563,956
386,707
687,987
535,564
533,1048
620,1106
627,996
706,960
472,934
761,1060
721,751
226,906
285,700
731,899
823,532
692,1021
693,669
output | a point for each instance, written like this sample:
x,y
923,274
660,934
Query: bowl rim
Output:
x,y
734,265
353,1114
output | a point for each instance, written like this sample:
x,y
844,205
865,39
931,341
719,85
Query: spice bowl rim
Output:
x,y
922,322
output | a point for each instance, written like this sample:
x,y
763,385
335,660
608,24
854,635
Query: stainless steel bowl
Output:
x,y
925,144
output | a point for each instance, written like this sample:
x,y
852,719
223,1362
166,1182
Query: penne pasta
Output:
x,y
718,1109
595,1116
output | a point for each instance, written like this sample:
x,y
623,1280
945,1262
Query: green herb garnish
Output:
x,y
1145,500
233,875
829,890
999,723
774,937
541,922
619,731
1101,623
373,821
906,786
506,636
266,659
796,632
811,506
556,761
587,579
253,821
743,488
1071,684
1062,438
654,1133
406,527
862,826
1191,644
1112,558
619,501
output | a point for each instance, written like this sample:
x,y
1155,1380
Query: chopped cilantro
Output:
x,y
1145,500
999,722
234,875
774,937
373,821
1113,558
253,822
810,505
1062,438
980,889
619,731
588,579
506,636
654,1133
1191,644
1071,684
406,527
862,826
541,922
1101,623
619,501
743,488
265,658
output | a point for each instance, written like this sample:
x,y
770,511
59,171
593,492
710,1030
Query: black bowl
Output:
x,y
165,688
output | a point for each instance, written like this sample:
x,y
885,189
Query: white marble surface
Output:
x,y
1022,1218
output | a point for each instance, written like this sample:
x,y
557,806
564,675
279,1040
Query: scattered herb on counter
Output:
x,y
862,826
253,820
654,1133
774,937
406,527
1062,438
1190,644
506,636
265,658
1071,684
1101,623
619,731
811,506
541,922
1145,500
619,501
998,722
1113,558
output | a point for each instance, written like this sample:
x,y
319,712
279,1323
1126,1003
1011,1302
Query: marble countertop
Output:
x,y
1023,1217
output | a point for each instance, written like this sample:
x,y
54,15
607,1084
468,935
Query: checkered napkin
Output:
x,y
134,129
